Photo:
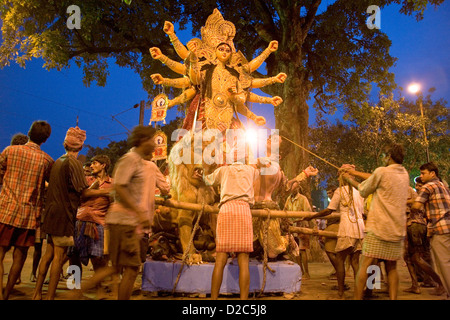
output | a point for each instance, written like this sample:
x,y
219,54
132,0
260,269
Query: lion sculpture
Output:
x,y
187,185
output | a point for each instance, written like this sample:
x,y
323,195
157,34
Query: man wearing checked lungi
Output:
x,y
234,231
386,220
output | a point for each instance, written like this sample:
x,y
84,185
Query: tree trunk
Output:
x,y
291,118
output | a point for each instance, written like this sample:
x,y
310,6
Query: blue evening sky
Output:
x,y
59,97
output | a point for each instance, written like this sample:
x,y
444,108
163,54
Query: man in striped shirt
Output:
x,y
436,199
24,170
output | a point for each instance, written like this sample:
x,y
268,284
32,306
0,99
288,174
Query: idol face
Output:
x,y
223,53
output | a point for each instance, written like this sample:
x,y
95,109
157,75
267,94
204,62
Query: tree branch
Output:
x,y
92,50
309,19
267,30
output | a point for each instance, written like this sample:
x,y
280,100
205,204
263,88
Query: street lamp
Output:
x,y
415,89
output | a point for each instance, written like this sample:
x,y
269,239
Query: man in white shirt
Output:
x,y
347,201
386,222
234,231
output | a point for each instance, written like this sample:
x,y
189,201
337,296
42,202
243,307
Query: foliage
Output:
x,y
328,54
360,141
114,151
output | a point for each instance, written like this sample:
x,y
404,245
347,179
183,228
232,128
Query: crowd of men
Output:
x,y
53,200
384,220
101,219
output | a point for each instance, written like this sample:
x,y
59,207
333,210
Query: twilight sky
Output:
x,y
59,97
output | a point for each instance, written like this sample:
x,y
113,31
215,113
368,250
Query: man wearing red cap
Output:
x,y
67,184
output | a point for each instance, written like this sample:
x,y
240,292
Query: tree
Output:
x,y
360,141
114,151
330,55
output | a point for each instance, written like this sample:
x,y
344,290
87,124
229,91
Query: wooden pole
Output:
x,y
255,212
327,234
141,112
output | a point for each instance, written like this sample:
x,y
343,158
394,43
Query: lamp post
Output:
x,y
415,89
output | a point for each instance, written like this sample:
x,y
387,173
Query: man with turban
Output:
x,y
67,184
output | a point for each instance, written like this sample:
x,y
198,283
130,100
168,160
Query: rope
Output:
x,y
265,244
290,248
297,259
188,248
296,144
350,202
301,147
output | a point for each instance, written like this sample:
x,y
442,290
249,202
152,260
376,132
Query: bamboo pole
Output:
x,y
255,212
327,234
